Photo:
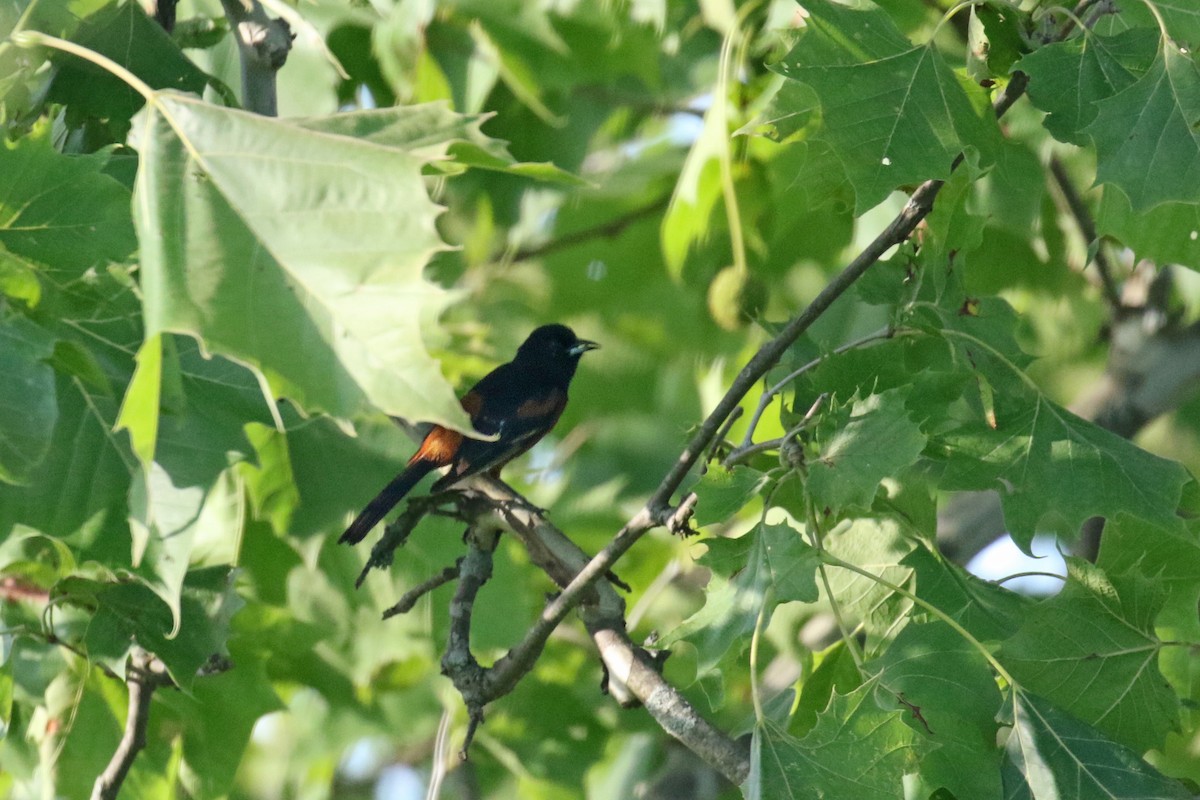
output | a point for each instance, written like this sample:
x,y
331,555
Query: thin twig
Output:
x,y
1087,228
769,395
410,598
608,229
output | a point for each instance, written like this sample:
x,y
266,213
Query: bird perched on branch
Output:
x,y
518,402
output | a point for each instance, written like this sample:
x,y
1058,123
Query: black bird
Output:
x,y
519,402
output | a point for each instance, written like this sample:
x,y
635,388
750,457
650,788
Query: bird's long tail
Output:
x,y
386,500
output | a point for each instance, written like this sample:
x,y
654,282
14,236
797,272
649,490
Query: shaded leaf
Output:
x,y
1053,756
724,492
1066,79
62,210
1169,233
988,611
952,701
1148,135
1054,470
123,33
751,575
1092,651
856,751
28,403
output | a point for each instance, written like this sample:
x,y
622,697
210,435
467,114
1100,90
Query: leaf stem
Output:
x,y
814,530
39,39
932,609
759,622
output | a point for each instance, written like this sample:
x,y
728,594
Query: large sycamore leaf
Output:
x,y
894,113
1053,756
1148,135
1092,651
298,252
856,751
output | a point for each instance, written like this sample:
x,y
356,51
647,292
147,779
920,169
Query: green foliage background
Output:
x,y
207,317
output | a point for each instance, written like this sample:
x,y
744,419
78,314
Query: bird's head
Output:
x,y
554,344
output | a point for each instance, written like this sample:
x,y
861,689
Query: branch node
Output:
x,y
679,521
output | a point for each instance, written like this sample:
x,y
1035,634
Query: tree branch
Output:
x,y
605,230
1087,229
144,674
263,44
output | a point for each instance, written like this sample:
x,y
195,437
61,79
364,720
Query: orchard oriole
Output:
x,y
518,402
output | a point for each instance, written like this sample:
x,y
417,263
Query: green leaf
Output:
x,y
62,210
1092,651
123,33
28,402
696,195
894,113
1053,756
791,108
129,612
952,699
989,612
217,731
18,278
1170,556
139,410
1054,470
879,546
877,441
438,134
82,483
1148,135
856,751
1066,79
271,484
1182,18
994,40
301,255
751,575
1168,233
835,671
724,492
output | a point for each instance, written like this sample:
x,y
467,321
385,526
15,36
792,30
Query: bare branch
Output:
x,y
263,44
605,230
410,598
144,674
1087,229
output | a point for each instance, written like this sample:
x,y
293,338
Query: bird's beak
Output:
x,y
582,346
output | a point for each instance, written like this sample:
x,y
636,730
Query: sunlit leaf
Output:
x,y
300,253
